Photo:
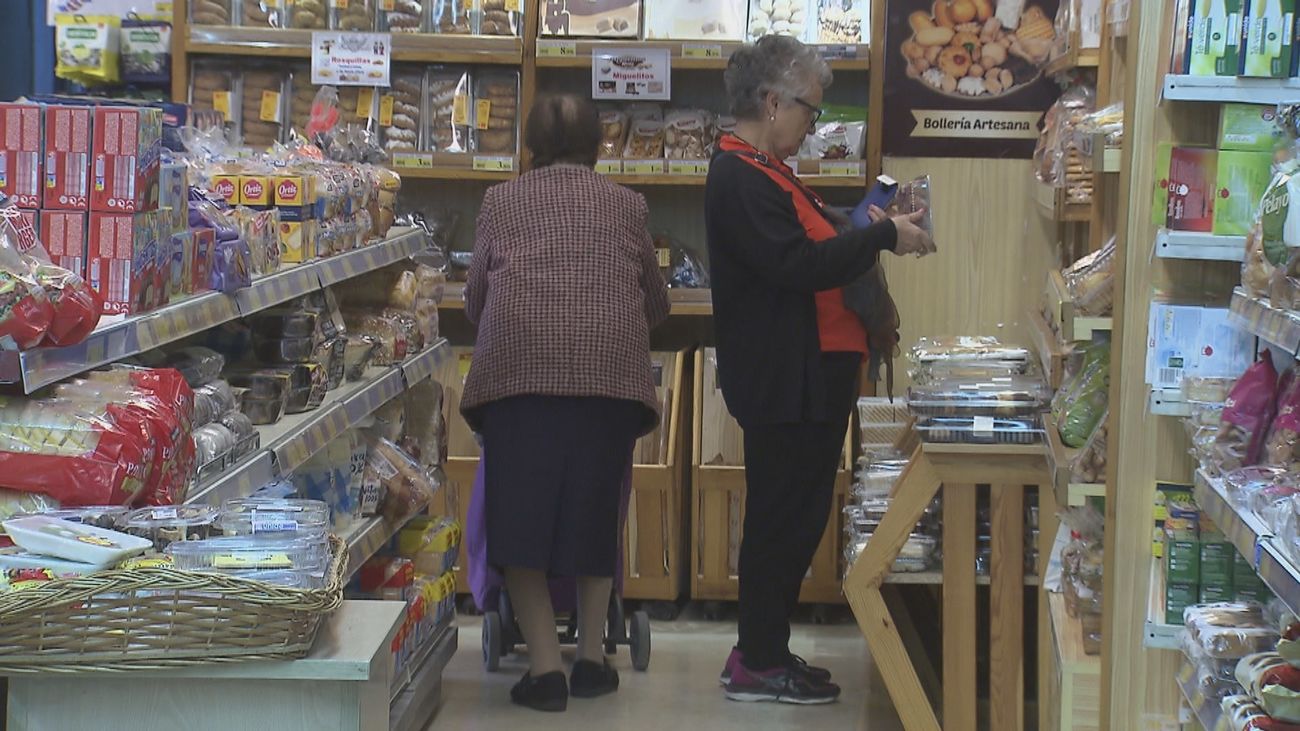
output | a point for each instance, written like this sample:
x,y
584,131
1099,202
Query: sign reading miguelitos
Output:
x,y
351,59
631,73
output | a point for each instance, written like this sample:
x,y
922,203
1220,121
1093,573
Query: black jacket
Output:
x,y
765,272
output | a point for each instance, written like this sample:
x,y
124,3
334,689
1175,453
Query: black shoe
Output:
x,y
547,692
592,680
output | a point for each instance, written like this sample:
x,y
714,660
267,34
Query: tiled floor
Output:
x,y
680,691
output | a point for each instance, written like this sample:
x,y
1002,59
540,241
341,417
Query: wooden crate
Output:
x,y
718,514
1074,693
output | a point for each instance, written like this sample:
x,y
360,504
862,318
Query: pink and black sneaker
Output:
x,y
821,675
779,685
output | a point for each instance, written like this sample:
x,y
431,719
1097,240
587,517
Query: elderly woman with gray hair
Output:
x,y
789,350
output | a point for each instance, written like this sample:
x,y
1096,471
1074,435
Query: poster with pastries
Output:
x,y
794,18
966,77
842,22
593,18
695,20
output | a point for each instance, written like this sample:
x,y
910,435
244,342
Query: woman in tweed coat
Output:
x,y
564,288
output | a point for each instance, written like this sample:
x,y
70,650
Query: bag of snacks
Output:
x,y
87,47
1229,630
1083,408
1089,465
1282,446
146,51
74,307
1241,713
613,133
1273,232
1273,683
1091,281
393,482
1246,416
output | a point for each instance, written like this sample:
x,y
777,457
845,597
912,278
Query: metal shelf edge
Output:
x,y
414,706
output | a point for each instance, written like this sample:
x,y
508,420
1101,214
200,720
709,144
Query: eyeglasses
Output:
x,y
816,111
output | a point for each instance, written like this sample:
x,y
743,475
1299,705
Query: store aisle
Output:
x,y
680,691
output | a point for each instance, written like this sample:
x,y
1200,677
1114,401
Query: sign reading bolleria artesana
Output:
x,y
964,78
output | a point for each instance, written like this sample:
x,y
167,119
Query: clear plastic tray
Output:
x,y
167,525
51,536
942,370
1240,485
966,349
249,516
100,516
291,579
1008,396
251,553
980,430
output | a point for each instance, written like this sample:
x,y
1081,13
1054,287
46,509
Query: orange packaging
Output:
x,y
255,191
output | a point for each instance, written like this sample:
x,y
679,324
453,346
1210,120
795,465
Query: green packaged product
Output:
x,y
1182,553
1177,598
1248,128
1212,593
1214,38
1160,191
1216,562
1240,182
1267,27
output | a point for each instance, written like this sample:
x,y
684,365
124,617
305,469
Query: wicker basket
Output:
x,y
158,618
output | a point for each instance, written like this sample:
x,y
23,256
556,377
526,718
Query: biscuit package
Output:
x,y
357,16
262,107
400,112
212,12
496,112
500,17
403,16
450,16
449,110
308,14
264,14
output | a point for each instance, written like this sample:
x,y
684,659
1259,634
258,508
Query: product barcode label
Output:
x,y
273,523
983,426
163,513
1170,377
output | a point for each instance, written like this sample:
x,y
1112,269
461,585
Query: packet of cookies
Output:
x,y
499,17
213,12
357,16
613,133
448,120
496,112
212,87
450,16
403,16
308,14
400,112
264,14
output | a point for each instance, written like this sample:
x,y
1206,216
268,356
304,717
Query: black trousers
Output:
x,y
789,485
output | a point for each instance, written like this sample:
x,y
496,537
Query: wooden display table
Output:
x,y
346,683
958,469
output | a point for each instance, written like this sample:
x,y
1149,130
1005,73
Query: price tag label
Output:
x,y
643,167
414,160
460,110
557,49
492,163
339,4
386,110
665,257
983,426
270,109
701,50
388,6
840,167
512,6
688,167
221,103
482,113
163,8
365,102
609,167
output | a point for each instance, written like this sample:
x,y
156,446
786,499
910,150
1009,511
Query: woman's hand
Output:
x,y
912,239
876,214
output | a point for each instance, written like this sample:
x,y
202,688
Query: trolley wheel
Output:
x,y
510,635
640,641
713,611
491,641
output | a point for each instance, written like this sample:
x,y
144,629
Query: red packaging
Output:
x,y
127,406
26,225
122,259
125,157
1192,173
205,251
20,153
1246,416
67,158
64,234
170,387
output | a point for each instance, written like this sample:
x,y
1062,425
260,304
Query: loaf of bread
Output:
x,y
402,134
211,12
497,94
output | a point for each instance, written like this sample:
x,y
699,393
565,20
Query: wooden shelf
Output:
x,y
1070,326
1051,353
686,55
1272,325
935,578
1199,246
1159,634
668,179
1224,89
1052,203
453,173
685,302
1087,58
292,43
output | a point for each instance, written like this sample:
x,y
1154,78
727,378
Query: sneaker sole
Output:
x,y
744,697
724,681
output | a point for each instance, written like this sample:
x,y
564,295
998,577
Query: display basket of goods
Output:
x,y
148,613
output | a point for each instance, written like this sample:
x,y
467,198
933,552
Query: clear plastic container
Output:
x,y
167,525
64,539
967,349
14,558
108,517
1009,396
1240,485
980,430
248,516
285,350
249,553
291,579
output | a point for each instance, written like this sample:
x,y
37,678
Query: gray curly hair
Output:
x,y
774,63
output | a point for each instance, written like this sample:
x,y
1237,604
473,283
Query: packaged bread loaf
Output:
x,y
613,133
212,12
301,96
687,135
1229,630
450,16
403,16
264,14
646,140
212,87
352,15
262,107
1273,683
449,109
308,14
499,17
496,112
402,131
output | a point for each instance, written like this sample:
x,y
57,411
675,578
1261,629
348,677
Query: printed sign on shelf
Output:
x,y
631,73
351,59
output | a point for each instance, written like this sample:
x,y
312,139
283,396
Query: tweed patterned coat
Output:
x,y
564,287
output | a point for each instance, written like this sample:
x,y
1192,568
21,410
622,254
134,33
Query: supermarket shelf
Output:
x,y
706,56
685,302
1207,711
1242,529
1221,89
1168,402
1078,493
1159,635
123,337
1059,458
454,173
935,578
1052,203
1073,327
1075,58
1051,353
292,43
1067,637
1106,159
365,537
1199,246
682,180
1272,325
415,704
242,479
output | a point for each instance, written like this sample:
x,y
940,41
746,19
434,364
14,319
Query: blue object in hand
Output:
x,y
881,195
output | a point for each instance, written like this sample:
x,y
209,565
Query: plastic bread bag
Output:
x,y
1229,630
430,282
839,134
613,133
1242,713
146,51
914,196
389,421
687,135
451,16
404,486
403,16
1282,445
426,427
496,111
1272,683
1246,417
410,328
1091,281
966,349
74,306
1284,283
212,12
1084,407
1240,485
198,365
1089,465
387,334
402,131
499,17
1274,230
449,109
426,320
646,140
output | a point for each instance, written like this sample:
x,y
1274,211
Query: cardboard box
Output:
x,y
1182,553
1267,35
1216,561
122,260
1160,194
205,250
180,265
1248,128
65,239
1190,340
292,191
20,154
702,20
298,241
173,197
226,186
1177,598
67,158
610,19
1214,38
1240,182
125,155
1211,593
1191,200
255,191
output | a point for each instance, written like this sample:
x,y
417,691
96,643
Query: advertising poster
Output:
x,y
631,73
964,78
351,59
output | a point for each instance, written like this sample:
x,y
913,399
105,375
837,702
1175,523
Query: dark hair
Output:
x,y
773,63
563,128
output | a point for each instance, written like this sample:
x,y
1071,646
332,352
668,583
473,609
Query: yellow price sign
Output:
x,y
463,364
643,167
460,110
270,109
388,6
557,49
494,164
701,50
665,257
482,113
365,102
413,160
512,6
840,167
386,110
609,167
688,167
221,103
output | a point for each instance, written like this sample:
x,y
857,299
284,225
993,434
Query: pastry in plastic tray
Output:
x,y
293,323
17,564
212,12
979,430
244,553
983,370
646,140
285,350
403,16
213,442
966,348
1229,630
100,516
1004,397
64,539
247,516
167,525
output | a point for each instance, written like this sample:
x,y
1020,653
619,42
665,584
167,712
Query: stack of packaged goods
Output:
x,y
1081,572
1062,158
867,506
1201,565
485,17
975,390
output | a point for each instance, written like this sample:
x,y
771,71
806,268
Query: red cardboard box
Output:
x,y
205,250
20,154
122,260
67,158
126,152
1192,172
65,238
